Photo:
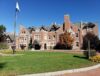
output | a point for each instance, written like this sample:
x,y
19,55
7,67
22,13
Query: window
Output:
x,y
77,43
76,34
49,37
63,27
37,37
8,41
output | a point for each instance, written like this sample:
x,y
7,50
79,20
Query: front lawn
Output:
x,y
38,62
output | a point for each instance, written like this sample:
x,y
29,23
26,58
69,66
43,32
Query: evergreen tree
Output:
x,y
30,46
2,35
94,41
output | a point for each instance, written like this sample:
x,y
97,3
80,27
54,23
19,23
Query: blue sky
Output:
x,y
45,12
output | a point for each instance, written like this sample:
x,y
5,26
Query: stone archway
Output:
x,y
36,45
45,46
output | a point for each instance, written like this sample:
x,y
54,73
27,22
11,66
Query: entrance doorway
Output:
x,y
36,45
45,46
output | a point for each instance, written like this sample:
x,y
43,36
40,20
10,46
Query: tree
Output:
x,y
68,40
22,46
93,41
3,44
2,29
89,25
30,46
2,35
65,41
98,46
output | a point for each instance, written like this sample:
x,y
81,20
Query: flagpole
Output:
x,y
15,30
14,43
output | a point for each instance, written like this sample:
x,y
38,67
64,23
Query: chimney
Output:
x,y
67,22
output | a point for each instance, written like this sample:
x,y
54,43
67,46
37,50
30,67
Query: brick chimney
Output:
x,y
67,22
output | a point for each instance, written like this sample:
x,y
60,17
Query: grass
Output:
x,y
39,62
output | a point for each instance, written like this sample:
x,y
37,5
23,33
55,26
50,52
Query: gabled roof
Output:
x,y
31,29
43,28
54,27
9,36
89,25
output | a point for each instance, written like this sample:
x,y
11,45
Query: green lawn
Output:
x,y
38,62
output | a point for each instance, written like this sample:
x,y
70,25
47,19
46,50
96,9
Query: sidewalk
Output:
x,y
95,72
87,71
1,54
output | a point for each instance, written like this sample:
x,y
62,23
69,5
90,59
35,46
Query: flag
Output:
x,y
17,7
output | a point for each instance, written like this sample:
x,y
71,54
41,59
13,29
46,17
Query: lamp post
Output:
x,y
88,41
89,53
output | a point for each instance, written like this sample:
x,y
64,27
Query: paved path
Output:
x,y
1,54
95,72
87,71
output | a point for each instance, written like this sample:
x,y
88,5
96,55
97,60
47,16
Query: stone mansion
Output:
x,y
47,37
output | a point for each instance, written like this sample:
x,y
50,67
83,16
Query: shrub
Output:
x,y
95,58
60,46
98,46
92,53
22,46
30,46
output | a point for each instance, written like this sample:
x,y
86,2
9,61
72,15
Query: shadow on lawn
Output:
x,y
2,65
81,57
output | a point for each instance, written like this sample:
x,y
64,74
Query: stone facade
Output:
x,y
48,37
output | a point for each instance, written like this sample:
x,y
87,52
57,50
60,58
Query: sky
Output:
x,y
45,12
